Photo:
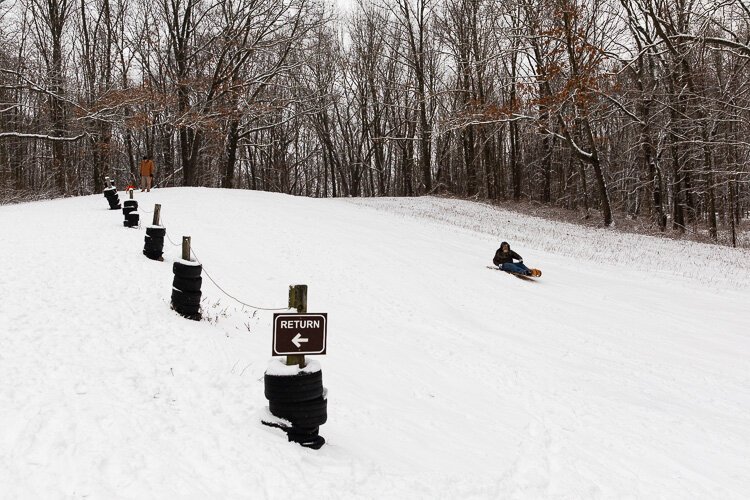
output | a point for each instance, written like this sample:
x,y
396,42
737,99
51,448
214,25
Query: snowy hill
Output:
x,y
622,372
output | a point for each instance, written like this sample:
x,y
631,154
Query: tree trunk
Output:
x,y
232,140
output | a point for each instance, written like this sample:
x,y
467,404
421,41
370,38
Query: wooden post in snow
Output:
x,y
298,301
157,213
186,248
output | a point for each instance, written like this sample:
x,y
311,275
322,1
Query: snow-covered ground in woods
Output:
x,y
622,372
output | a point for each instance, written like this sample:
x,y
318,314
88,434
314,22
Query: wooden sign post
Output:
x,y
298,301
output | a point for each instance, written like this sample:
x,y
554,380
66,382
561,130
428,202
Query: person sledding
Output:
x,y
504,258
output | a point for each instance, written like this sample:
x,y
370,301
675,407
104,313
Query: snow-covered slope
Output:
x,y
622,372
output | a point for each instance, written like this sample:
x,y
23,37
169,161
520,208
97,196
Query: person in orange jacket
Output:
x,y
147,173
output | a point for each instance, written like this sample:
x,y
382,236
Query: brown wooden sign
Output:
x,y
299,333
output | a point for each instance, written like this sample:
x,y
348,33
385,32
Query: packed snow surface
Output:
x,y
622,372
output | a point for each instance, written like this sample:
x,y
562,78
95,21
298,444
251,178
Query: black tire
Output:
x,y
158,242
304,436
302,432
187,284
302,413
184,309
315,442
133,218
189,312
156,232
186,298
186,270
154,240
126,210
131,203
153,248
153,255
115,207
293,388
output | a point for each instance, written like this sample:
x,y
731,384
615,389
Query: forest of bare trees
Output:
x,y
610,108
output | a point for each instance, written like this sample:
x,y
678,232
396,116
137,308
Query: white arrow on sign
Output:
x,y
298,340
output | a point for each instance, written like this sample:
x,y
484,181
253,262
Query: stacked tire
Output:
x,y
130,211
153,247
112,197
300,399
186,288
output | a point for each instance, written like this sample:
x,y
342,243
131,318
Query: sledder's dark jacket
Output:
x,y
505,257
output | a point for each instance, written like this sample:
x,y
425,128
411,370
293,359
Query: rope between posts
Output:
x,y
163,224
170,239
166,233
231,296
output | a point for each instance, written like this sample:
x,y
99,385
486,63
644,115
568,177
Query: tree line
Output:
x,y
618,108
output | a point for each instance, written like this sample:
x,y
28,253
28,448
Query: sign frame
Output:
x,y
298,340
